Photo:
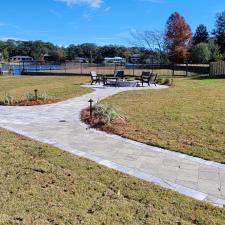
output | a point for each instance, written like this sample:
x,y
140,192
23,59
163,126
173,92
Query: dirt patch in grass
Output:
x,y
40,184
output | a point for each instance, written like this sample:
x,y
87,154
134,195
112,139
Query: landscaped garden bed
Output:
x,y
31,102
103,117
30,99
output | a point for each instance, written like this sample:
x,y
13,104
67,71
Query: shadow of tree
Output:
x,y
207,77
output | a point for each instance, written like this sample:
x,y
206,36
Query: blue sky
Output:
x,y
98,21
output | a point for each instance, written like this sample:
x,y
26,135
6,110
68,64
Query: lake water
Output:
x,y
17,69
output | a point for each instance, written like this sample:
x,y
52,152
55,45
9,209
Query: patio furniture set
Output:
x,y
119,79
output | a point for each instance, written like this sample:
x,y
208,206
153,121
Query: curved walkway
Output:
x,y
59,124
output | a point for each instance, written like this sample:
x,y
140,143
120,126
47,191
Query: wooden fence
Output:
x,y
217,68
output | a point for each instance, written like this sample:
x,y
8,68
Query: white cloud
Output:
x,y
91,3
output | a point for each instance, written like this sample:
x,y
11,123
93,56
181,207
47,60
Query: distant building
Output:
x,y
135,58
21,59
116,60
80,60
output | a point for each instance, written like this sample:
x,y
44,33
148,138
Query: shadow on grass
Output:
x,y
207,77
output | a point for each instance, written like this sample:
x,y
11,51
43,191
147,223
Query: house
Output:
x,y
21,59
80,60
135,58
116,60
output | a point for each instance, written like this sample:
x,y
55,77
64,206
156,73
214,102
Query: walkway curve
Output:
x,y
59,124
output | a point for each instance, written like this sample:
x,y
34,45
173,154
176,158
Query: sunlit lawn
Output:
x,y
42,185
56,87
189,117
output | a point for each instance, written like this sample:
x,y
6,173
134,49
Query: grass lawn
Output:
x,y
41,185
189,117
56,87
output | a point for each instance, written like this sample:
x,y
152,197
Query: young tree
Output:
x,y
215,54
205,52
201,53
201,35
178,38
219,31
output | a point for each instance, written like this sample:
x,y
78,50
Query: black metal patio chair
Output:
x,y
148,78
113,80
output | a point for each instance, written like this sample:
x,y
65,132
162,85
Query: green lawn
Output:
x,y
41,185
189,117
56,87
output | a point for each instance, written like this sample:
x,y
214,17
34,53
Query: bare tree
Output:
x,y
151,40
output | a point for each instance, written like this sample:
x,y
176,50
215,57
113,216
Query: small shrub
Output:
x,y
167,81
106,112
159,80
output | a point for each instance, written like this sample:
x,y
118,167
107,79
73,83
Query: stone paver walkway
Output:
x,y
59,125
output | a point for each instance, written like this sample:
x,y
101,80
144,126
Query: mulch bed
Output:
x,y
118,126
32,103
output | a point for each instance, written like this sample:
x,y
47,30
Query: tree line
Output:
x,y
88,51
201,47
176,44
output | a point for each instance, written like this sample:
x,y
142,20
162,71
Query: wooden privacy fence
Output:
x,y
217,68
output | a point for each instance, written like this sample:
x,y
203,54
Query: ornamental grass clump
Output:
x,y
8,100
40,96
106,112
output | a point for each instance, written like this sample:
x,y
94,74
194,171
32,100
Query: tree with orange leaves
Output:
x,y
178,38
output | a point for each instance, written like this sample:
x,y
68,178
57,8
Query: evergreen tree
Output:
x,y
201,35
219,31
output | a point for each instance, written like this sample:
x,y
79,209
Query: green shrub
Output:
x,y
201,53
106,112
205,52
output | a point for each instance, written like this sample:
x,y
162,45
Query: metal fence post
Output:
x,y
186,69
172,76
173,70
